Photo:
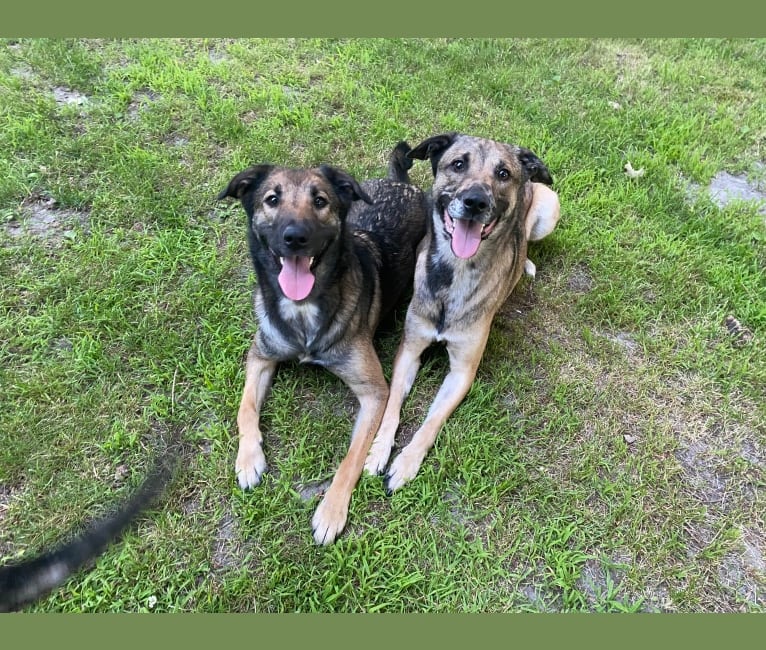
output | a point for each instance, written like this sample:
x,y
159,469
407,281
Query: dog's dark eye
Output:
x,y
320,202
271,200
503,174
458,164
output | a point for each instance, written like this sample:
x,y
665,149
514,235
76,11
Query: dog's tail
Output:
x,y
24,582
399,164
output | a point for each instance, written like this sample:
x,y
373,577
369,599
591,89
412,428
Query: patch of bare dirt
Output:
x,y
7,494
743,571
141,100
226,551
308,491
23,72
726,188
43,219
536,596
580,280
599,579
5,497
623,340
68,97
218,57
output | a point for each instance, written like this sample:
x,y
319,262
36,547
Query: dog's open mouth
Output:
x,y
296,278
466,234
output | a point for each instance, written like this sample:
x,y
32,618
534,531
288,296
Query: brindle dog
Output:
x,y
331,257
488,200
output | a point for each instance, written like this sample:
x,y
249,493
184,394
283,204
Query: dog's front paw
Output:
x,y
328,521
377,457
403,469
250,465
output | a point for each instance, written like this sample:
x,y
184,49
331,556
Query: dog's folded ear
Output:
x,y
433,148
538,172
543,212
245,181
345,185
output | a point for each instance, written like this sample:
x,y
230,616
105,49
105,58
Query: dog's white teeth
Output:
x,y
282,261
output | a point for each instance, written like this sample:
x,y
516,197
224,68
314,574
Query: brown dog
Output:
x,y
488,200
331,257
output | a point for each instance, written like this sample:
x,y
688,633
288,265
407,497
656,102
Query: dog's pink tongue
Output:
x,y
296,278
466,238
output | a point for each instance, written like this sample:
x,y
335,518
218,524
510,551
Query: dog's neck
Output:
x,y
305,319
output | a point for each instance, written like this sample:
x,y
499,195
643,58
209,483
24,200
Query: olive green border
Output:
x,y
549,18
555,631
385,19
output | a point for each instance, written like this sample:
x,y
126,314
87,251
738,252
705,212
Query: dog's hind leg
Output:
x,y
543,213
542,216
251,462
464,362
364,376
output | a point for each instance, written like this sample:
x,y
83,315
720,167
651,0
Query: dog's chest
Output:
x,y
455,294
295,332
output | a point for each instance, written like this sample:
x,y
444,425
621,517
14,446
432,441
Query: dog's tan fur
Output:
x,y
482,181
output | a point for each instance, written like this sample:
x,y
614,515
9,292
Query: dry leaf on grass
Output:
x,y
633,173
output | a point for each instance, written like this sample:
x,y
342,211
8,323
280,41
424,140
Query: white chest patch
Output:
x,y
304,317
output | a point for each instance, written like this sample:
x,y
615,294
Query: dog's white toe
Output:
x,y
529,268
403,469
250,465
377,458
328,522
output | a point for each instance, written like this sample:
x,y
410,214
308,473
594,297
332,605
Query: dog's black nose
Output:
x,y
296,236
475,201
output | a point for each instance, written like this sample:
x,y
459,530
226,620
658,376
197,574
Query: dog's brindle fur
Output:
x,y
361,241
503,188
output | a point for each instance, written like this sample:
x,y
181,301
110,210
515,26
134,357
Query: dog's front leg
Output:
x,y
364,376
251,462
464,355
406,366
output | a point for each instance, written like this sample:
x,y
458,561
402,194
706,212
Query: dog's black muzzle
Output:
x,y
474,203
300,237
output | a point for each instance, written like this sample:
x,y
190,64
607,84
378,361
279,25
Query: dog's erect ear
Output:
x,y
346,187
538,172
245,181
433,148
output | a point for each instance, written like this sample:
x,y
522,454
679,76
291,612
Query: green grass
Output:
x,y
610,455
